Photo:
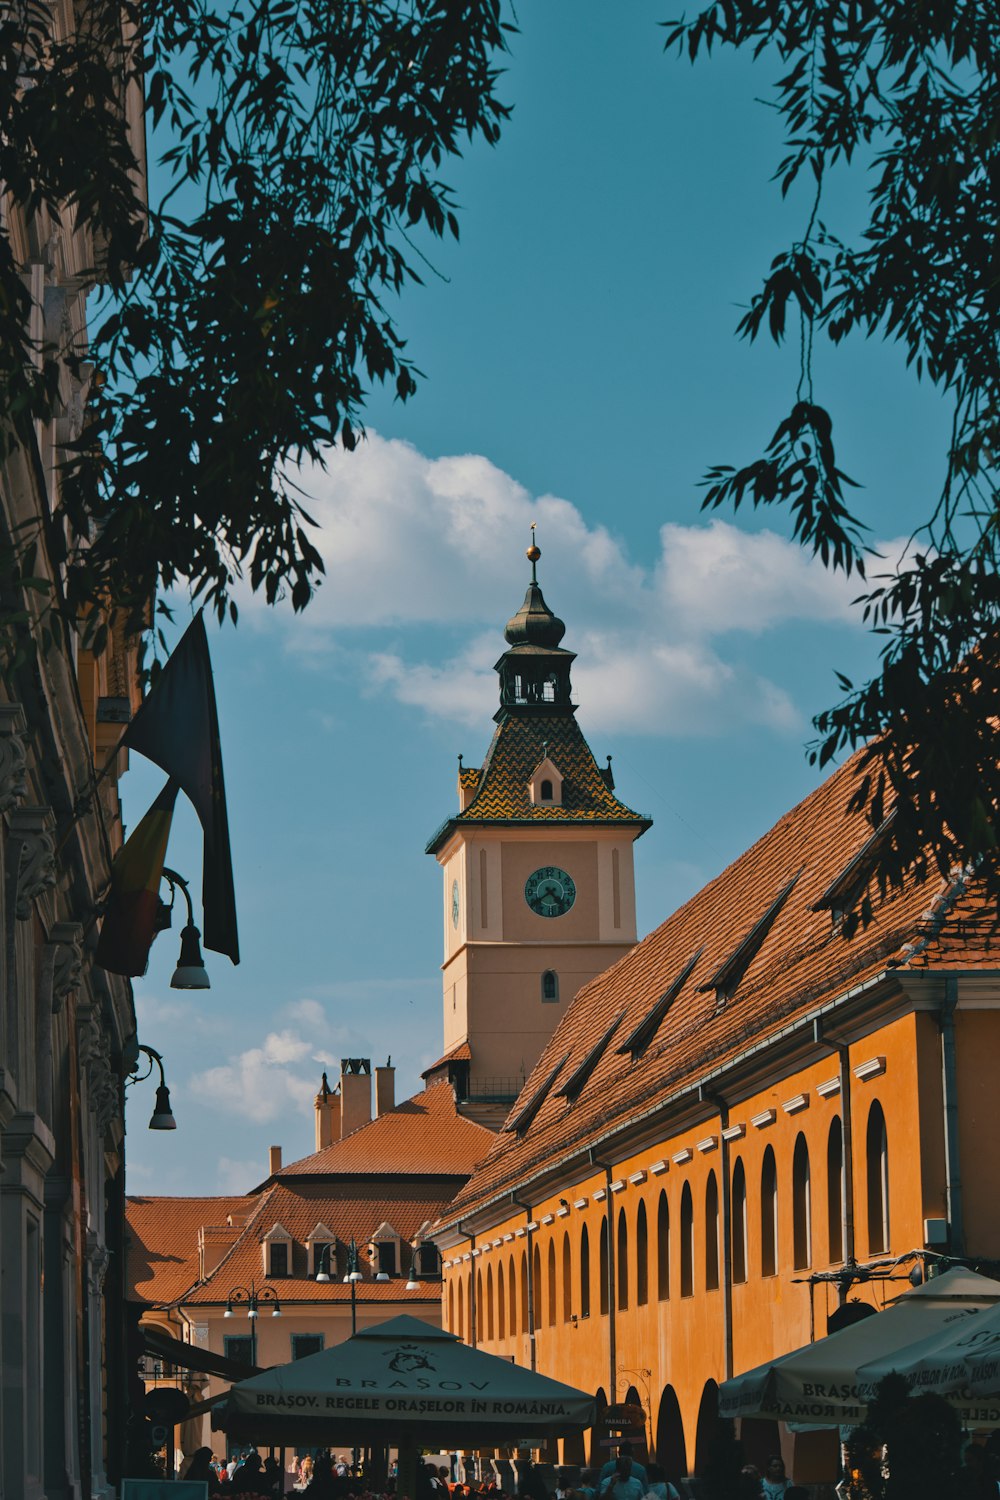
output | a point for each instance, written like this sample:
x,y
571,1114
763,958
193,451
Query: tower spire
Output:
x,y
533,554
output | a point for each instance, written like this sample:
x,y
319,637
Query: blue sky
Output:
x,y
581,371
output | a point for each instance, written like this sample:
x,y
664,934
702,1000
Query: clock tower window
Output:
x,y
550,985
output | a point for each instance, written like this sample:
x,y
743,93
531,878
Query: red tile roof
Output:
x,y
520,742
802,959
162,1257
423,1136
461,1053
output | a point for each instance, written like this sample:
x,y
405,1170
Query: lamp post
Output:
x,y
190,973
252,1299
353,1277
162,1117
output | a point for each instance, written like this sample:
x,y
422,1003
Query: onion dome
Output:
x,y
534,624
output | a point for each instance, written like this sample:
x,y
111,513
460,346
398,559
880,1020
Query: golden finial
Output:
x,y
533,554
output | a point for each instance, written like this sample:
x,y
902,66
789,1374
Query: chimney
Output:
x,y
385,1088
327,1116
273,1160
355,1093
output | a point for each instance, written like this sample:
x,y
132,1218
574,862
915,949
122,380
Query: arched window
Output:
x,y
501,1304
835,1190
584,1273
524,1291
460,1330
712,1233
768,1215
546,791
739,1213
663,1248
622,1266
451,1307
552,1283
550,985
536,1289
489,1302
687,1242
567,1279
604,1265
641,1258
877,1159
480,1308
801,1206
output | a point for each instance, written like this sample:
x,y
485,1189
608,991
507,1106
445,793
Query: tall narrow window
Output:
x,y
712,1233
801,1206
835,1190
687,1242
768,1215
739,1214
584,1273
605,1261
460,1330
567,1279
663,1248
877,1159
622,1266
552,1284
641,1258
536,1290
616,888
524,1291
550,985
501,1304
484,915
546,791
477,1328
451,1307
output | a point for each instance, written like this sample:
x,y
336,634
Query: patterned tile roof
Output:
x,y
163,1241
424,1135
163,1266
802,960
461,1053
520,742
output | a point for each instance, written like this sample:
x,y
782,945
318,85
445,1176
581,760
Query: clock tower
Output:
x,y
539,888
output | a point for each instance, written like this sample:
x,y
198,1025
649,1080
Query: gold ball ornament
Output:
x,y
533,553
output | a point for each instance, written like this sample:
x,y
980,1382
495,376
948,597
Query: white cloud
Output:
x,y
410,541
236,1177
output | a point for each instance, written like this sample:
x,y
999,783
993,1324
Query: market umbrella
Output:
x,y
402,1382
819,1383
954,1362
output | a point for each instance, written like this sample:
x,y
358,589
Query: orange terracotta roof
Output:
x,y
461,1053
163,1241
298,1207
520,742
802,960
423,1136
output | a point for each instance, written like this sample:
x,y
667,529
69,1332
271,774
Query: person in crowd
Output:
x,y
659,1485
201,1468
638,1471
751,1485
249,1478
977,1481
623,1483
776,1482
563,1484
587,1488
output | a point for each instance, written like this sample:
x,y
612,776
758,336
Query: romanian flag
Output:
x,y
131,917
177,727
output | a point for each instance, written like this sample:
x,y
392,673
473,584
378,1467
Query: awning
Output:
x,y
162,1345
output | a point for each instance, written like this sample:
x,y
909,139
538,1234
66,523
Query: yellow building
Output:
x,y
747,1101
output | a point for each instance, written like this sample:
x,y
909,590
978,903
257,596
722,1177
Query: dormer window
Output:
x,y
276,1249
545,787
321,1248
383,1252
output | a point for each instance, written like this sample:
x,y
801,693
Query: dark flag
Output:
x,y
177,727
131,916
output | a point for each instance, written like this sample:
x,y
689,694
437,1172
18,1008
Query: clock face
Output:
x,y
550,892
454,903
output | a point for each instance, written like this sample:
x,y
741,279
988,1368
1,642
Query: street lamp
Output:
x,y
323,1263
412,1284
353,1277
190,973
251,1299
162,1117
